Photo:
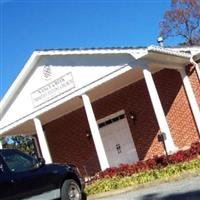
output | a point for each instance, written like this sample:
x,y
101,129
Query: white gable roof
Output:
x,y
75,72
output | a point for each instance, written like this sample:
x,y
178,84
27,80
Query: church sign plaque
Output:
x,y
53,89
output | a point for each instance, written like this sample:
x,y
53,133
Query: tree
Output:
x,y
182,20
23,143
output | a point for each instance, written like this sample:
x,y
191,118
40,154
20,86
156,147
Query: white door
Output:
x,y
118,141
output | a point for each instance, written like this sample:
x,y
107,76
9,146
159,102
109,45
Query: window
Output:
x,y
18,162
1,168
112,120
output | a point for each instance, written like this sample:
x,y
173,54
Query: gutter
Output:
x,y
167,51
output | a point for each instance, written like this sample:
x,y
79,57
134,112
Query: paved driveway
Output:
x,y
186,189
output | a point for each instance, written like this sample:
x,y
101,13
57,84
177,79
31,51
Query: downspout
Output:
x,y
196,67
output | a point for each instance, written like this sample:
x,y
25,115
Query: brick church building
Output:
x,y
101,107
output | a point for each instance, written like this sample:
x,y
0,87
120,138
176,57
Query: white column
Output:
x,y
198,71
1,146
95,133
158,109
196,65
191,98
36,145
42,140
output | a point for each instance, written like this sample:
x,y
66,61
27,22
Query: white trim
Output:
x,y
89,51
158,109
95,133
167,51
16,84
191,98
1,146
42,140
197,70
196,67
121,112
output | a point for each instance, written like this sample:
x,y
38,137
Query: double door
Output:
x,y
118,142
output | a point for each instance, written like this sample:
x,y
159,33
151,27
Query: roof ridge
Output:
x,y
91,48
175,48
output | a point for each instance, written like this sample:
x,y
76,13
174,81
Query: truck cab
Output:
x,y
24,177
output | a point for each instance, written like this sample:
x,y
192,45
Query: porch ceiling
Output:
x,y
26,128
96,93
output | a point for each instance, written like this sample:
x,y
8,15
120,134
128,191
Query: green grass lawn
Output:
x,y
163,174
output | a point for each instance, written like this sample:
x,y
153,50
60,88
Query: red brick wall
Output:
x,y
134,98
194,82
68,142
67,137
179,116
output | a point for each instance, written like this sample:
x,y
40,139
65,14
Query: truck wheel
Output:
x,y
70,190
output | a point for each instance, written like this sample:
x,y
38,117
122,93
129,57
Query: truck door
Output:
x,y
5,183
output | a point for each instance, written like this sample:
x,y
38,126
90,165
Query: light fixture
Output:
x,y
88,133
132,116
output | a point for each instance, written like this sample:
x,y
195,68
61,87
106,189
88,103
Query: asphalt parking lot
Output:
x,y
185,189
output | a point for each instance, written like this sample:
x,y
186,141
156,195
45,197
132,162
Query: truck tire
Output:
x,y
70,190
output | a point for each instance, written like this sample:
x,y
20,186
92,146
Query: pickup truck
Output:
x,y
25,177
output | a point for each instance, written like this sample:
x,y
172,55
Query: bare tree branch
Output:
x,y
182,20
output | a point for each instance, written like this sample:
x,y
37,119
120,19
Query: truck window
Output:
x,y
18,162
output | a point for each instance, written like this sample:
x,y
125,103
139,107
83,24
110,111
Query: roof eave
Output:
x,y
165,57
196,57
19,80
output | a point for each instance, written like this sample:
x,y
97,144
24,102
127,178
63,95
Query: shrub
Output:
x,y
163,173
156,162
195,148
151,163
161,161
178,157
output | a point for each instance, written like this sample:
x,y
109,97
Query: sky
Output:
x,y
28,25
